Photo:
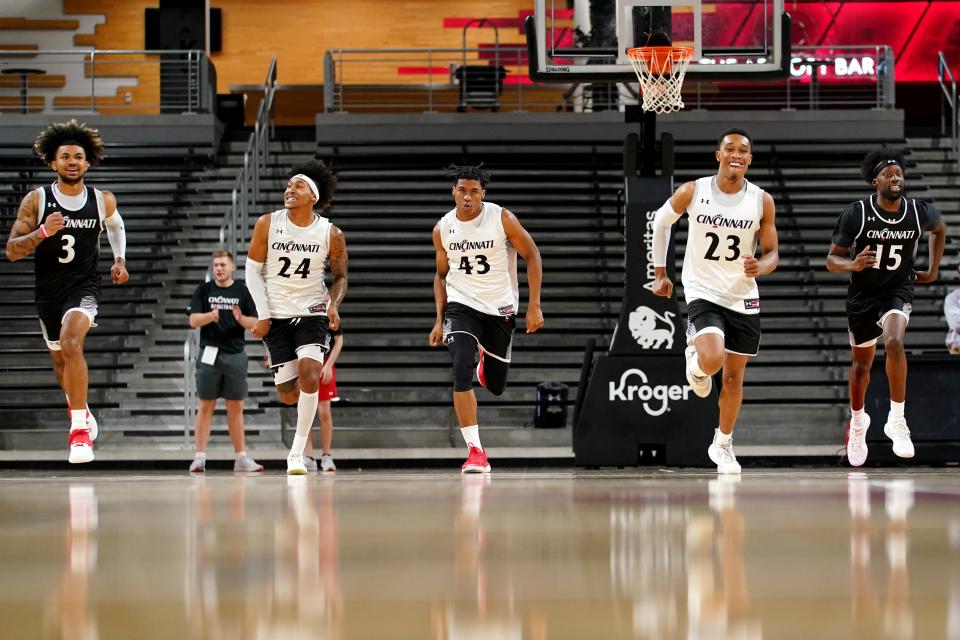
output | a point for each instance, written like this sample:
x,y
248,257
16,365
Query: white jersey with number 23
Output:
x,y
723,228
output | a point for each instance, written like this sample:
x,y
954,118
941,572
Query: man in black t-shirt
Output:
x,y
876,241
60,224
223,309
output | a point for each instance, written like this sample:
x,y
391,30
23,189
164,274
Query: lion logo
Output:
x,y
650,329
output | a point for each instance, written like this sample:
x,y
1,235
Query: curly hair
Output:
x,y
71,132
467,172
323,176
876,160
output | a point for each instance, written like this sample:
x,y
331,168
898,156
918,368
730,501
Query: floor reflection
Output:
x,y
305,599
69,615
894,614
683,563
472,613
521,556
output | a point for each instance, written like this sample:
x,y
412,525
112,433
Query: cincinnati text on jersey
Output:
x,y
728,223
888,234
80,223
466,245
295,246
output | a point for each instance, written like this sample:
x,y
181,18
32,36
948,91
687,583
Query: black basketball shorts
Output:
x,y
464,327
494,334
866,312
740,331
291,339
51,312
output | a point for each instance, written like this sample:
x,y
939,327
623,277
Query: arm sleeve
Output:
x,y
116,236
257,288
662,222
848,225
197,302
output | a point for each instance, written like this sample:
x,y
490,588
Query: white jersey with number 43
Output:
x,y
294,268
723,228
483,263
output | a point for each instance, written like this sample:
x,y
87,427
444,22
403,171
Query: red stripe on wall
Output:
x,y
418,71
460,23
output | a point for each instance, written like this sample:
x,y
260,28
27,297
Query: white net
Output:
x,y
661,71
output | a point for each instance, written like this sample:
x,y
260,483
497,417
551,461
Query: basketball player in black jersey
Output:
x,y
61,223
876,241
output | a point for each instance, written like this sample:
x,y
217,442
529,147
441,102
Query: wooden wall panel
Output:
x,y
299,33
27,24
123,29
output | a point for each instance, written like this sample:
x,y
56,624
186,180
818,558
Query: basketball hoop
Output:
x,y
660,71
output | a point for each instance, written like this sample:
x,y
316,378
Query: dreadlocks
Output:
x,y
467,172
72,132
875,161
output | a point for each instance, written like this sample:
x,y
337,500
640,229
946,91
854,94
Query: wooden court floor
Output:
x,y
787,553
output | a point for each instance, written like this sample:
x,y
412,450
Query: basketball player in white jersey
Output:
x,y
477,296
728,218
295,311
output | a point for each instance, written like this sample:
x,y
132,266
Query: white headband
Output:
x,y
311,183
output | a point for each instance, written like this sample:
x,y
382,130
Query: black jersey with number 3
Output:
x,y
894,236
68,260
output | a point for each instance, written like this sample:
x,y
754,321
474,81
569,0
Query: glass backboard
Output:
x,y
732,39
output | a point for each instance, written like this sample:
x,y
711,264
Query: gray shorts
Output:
x,y
226,378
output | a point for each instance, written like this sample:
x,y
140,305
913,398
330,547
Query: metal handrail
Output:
x,y
191,346
93,63
875,90
478,23
949,98
246,188
335,61
236,221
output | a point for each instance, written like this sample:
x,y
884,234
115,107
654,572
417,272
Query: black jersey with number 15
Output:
x,y
69,260
893,235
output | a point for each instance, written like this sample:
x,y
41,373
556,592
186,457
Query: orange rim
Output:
x,y
673,54
660,60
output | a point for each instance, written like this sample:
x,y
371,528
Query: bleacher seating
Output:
x,y
395,389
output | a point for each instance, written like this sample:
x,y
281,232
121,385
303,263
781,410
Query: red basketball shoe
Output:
x,y
81,448
476,461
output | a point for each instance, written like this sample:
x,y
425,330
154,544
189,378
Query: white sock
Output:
x,y
857,415
306,413
694,365
471,435
78,419
201,455
896,408
241,454
68,403
299,444
722,438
